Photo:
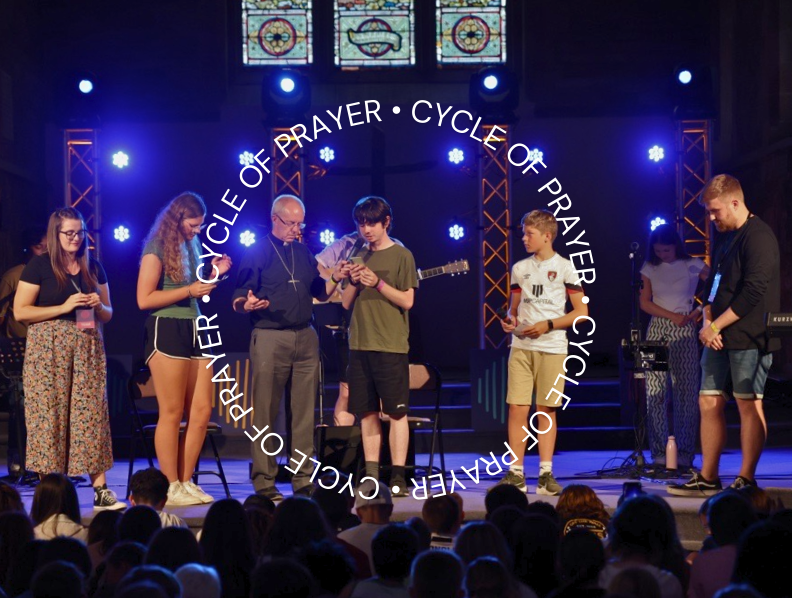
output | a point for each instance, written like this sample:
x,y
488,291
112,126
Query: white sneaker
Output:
x,y
194,489
178,496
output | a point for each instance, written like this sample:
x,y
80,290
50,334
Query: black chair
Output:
x,y
141,390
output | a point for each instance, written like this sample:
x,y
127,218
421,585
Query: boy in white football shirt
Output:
x,y
540,286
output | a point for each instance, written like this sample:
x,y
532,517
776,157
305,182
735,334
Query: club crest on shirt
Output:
x,y
551,275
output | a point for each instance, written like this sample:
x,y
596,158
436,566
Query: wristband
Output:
x,y
714,328
379,285
550,324
333,280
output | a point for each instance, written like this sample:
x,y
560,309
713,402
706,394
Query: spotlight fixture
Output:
x,y
535,155
657,222
85,86
121,234
327,237
456,155
684,76
247,238
285,97
693,92
246,158
456,232
120,159
656,153
327,154
494,94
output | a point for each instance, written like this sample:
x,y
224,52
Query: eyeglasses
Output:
x,y
300,225
70,234
197,228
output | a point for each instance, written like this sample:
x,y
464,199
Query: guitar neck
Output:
x,y
430,272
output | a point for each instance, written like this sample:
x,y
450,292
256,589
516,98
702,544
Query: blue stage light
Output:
x,y
456,156
327,237
85,85
287,84
121,233
456,232
120,159
685,76
247,238
657,222
536,155
245,158
327,154
490,82
656,153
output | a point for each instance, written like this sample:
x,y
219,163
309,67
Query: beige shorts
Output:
x,y
535,372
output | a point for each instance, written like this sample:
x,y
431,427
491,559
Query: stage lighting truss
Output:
x,y
327,237
121,233
81,180
288,172
120,160
247,238
693,170
656,153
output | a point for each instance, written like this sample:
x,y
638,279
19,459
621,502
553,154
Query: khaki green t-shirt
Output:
x,y
186,308
377,324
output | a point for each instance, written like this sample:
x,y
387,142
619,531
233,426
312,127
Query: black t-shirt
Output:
x,y
39,272
749,264
266,269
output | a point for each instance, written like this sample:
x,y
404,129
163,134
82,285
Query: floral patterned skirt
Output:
x,y
65,379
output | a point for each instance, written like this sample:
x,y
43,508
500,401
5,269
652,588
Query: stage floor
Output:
x,y
775,475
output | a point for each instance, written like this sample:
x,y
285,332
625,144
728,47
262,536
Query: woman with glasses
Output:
x,y
63,296
169,288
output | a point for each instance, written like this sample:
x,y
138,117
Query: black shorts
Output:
x,y
375,376
176,338
341,338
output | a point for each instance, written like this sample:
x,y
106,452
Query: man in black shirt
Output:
x,y
744,284
277,282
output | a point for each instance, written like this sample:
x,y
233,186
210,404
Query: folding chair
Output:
x,y
141,391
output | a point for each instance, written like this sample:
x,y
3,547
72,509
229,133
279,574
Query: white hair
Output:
x,y
281,200
199,581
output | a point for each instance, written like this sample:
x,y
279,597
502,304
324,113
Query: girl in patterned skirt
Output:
x,y
63,296
169,287
669,279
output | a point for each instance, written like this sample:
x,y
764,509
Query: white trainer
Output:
x,y
198,492
178,496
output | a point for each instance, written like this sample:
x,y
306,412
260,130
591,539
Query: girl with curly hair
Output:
x,y
169,287
580,507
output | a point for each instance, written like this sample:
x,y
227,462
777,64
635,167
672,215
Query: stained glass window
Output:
x,y
471,32
374,33
276,32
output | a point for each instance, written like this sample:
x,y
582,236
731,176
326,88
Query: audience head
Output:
x,y
10,499
635,582
281,578
737,591
198,581
505,495
23,565
103,530
158,576
541,507
581,557
419,526
393,549
479,539
298,522
123,557
16,530
259,501
149,487
373,502
58,578
639,528
260,522
69,550
763,505
55,495
172,547
763,559
442,514
138,524
729,514
536,540
336,506
578,500
488,577
225,539
437,574
331,566
505,518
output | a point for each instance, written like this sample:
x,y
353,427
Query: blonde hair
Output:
x,y
167,235
722,186
541,220
57,253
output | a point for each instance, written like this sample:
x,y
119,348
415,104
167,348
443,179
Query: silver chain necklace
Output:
x,y
285,267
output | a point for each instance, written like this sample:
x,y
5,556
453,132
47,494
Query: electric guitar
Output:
x,y
457,267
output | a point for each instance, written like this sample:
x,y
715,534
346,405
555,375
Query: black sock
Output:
x,y
398,472
372,469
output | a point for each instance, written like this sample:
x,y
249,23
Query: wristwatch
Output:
x,y
550,324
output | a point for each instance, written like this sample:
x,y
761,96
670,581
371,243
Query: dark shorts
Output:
x,y
176,338
741,373
375,376
341,339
